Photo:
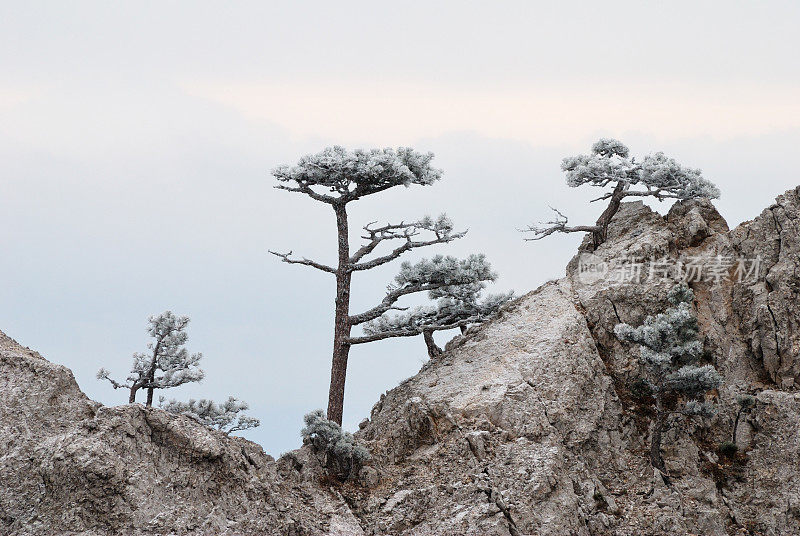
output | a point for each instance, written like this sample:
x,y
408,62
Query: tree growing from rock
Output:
x,y
343,455
669,354
226,416
610,167
456,307
337,177
167,363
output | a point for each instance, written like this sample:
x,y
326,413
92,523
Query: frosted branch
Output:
x,y
305,189
430,275
225,416
286,257
557,225
410,332
387,304
103,374
349,175
441,229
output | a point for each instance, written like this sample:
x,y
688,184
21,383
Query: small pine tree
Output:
x,y
670,350
611,166
225,417
343,455
167,362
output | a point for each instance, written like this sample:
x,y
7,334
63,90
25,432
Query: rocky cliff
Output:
x,y
528,424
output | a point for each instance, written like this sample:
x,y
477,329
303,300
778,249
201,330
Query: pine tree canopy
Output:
x,y
348,175
660,175
167,363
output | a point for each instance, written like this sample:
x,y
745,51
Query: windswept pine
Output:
x,y
338,177
610,166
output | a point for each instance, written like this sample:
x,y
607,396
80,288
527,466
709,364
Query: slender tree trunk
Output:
x,y
433,348
132,397
341,329
151,375
655,440
600,236
736,425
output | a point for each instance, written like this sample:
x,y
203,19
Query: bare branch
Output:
x,y
558,225
384,259
286,257
390,230
376,235
602,197
103,374
441,230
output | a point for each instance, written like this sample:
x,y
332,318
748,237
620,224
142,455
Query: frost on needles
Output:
x,y
166,364
670,353
226,416
338,177
342,454
611,169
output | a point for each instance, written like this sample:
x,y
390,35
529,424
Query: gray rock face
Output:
x,y
69,465
527,424
770,310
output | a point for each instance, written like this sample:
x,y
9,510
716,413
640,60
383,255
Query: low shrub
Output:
x,y
343,456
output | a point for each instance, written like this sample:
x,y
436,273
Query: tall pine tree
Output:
x,y
337,177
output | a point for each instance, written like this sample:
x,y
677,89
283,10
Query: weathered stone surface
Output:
x,y
70,465
566,449
770,309
529,437
526,425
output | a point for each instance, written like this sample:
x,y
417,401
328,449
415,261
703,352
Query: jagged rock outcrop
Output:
x,y
70,465
527,424
537,408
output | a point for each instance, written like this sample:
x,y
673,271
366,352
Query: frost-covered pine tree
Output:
x,y
167,363
343,454
226,417
337,177
456,307
610,167
669,354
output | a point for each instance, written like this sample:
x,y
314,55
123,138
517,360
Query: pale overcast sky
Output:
x,y
137,139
